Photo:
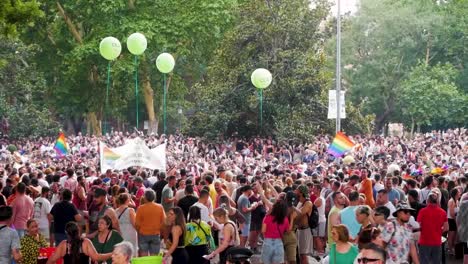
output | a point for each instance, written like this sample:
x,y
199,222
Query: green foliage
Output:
x,y
429,95
386,41
22,97
283,37
17,13
76,74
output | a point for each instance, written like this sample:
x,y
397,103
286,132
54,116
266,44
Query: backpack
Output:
x,y
314,217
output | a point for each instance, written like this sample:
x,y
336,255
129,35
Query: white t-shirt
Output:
x,y
392,209
41,210
205,216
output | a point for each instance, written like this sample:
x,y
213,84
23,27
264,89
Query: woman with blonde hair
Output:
x,y
228,237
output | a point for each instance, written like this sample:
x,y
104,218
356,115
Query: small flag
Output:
x,y
340,145
61,145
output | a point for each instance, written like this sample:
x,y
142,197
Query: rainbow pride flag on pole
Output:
x,y
340,145
61,145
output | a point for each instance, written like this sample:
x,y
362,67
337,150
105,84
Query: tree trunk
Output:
x,y
71,26
95,126
148,93
412,127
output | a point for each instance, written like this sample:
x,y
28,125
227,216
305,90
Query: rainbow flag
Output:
x,y
340,145
61,145
109,154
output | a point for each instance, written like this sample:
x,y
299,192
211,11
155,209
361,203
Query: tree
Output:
x,y
381,44
430,95
284,37
22,92
72,30
18,13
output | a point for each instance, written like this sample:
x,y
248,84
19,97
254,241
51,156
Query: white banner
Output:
x,y
134,153
332,105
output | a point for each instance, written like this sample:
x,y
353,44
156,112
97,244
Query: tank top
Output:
x,y
321,211
450,216
94,226
180,244
67,259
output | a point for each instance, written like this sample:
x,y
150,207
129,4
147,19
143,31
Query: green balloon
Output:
x,y
110,48
261,78
165,63
136,43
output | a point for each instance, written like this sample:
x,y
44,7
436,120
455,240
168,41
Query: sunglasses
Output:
x,y
367,260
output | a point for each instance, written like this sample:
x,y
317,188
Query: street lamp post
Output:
x,y
338,67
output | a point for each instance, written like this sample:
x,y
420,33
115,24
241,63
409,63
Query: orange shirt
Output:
x,y
149,219
366,188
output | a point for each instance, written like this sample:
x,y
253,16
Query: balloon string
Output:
x,y
106,110
164,101
136,89
260,94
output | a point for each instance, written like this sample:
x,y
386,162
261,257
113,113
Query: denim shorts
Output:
x,y
245,230
149,243
272,251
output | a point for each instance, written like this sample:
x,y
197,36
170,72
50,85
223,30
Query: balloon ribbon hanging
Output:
x,y
106,109
136,90
260,95
164,102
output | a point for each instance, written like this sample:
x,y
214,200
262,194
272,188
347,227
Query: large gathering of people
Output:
x,y
389,200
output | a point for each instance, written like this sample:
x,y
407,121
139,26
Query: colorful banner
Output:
x,y
133,154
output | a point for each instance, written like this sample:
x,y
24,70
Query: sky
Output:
x,y
346,6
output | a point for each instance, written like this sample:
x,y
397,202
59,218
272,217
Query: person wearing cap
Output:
x,y
398,236
10,246
434,223
303,233
103,208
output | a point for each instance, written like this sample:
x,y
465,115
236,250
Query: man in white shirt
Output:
x,y
205,215
42,208
382,200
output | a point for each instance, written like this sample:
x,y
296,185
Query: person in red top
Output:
x,y
433,222
273,227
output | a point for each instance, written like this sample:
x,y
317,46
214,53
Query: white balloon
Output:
x,y
261,78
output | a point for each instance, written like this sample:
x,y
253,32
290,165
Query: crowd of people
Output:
x,y
389,200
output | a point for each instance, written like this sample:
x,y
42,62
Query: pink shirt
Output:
x,y
71,184
273,229
140,192
23,210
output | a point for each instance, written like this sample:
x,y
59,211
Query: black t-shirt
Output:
x,y
63,212
186,202
158,188
2,200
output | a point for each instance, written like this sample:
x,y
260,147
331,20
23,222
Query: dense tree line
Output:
x,y
397,55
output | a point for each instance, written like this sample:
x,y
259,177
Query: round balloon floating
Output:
x,y
261,78
110,48
136,43
165,63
